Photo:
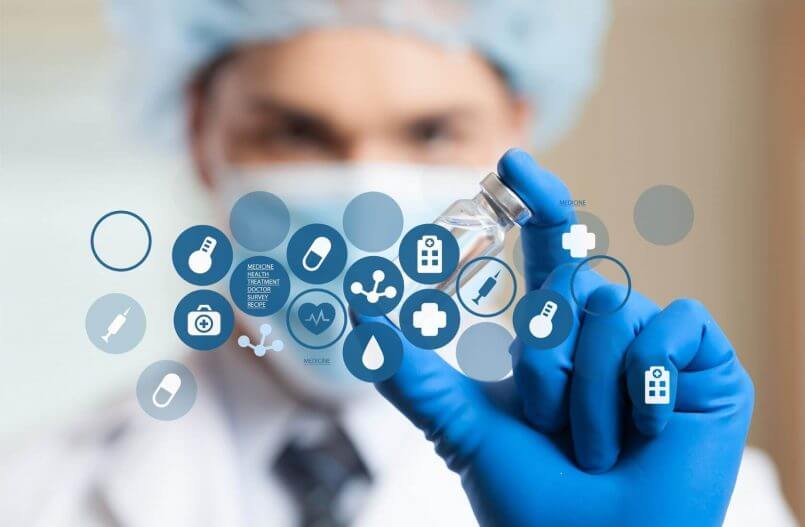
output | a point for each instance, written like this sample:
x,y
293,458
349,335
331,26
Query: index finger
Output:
x,y
547,197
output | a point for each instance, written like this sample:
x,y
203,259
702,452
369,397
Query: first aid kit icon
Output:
x,y
204,322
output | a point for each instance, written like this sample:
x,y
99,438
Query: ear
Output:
x,y
197,100
523,114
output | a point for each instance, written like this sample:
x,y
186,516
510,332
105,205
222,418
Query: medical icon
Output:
x,y
202,255
578,241
429,255
115,323
543,319
657,385
490,292
372,358
170,385
541,325
373,286
166,390
374,296
316,253
118,322
487,287
204,322
372,352
261,348
316,318
429,319
200,260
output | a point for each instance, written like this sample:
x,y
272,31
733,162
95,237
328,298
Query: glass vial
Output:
x,y
479,225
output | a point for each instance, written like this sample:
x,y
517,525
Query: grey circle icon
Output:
x,y
115,323
373,221
166,390
482,352
663,215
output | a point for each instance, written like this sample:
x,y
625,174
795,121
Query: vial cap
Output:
x,y
505,198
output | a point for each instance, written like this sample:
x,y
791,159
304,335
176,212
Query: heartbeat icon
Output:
x,y
316,318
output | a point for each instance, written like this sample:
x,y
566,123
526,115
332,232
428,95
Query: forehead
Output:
x,y
328,70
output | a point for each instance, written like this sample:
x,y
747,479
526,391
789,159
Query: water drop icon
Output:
x,y
372,355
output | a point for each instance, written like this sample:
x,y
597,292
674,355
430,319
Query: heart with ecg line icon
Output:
x,y
316,317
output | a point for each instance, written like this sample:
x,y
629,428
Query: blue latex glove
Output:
x,y
568,440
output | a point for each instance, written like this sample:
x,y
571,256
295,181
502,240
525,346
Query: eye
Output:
x,y
297,131
431,131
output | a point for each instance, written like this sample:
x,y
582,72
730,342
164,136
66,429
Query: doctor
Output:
x,y
261,83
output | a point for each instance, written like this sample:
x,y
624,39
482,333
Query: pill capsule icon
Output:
x,y
316,254
167,390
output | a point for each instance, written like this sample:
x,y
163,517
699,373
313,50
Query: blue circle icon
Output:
x,y
317,253
543,319
202,255
429,254
373,286
373,352
119,267
259,286
259,221
316,318
203,320
429,319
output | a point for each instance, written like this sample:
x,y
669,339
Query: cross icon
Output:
x,y
578,241
430,319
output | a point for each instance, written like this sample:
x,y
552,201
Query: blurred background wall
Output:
x,y
707,96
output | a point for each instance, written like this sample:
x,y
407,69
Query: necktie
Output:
x,y
325,475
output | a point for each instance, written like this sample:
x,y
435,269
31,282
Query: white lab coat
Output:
x,y
121,467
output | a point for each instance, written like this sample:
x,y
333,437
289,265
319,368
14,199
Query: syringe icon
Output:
x,y
116,324
487,287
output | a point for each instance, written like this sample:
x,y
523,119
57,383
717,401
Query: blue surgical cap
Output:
x,y
548,50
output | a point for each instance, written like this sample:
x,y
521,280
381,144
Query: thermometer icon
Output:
x,y
200,260
542,325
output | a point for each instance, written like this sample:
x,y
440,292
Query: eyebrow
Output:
x,y
290,111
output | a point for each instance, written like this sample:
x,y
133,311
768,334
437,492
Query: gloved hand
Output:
x,y
568,440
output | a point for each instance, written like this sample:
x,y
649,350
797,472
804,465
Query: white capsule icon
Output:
x,y
170,384
316,253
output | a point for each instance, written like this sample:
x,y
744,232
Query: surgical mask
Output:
x,y
319,193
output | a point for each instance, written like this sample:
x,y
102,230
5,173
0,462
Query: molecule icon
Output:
x,y
374,296
261,349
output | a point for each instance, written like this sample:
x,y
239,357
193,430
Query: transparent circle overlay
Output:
x,y
616,262
259,221
115,323
166,390
373,221
482,352
113,240
663,215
